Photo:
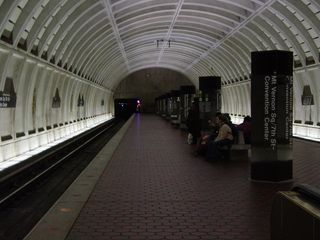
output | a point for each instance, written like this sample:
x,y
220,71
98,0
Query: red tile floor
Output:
x,y
154,188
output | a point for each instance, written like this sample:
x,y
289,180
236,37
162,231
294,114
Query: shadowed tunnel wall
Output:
x,y
149,84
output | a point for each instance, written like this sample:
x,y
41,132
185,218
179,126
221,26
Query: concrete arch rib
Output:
x,y
57,20
83,38
247,88
315,3
228,99
236,45
202,69
263,24
235,62
213,12
44,16
219,65
228,63
75,34
249,35
27,13
240,43
92,53
219,27
172,61
6,10
244,100
246,41
303,33
102,58
74,21
312,82
262,34
238,58
22,89
107,69
306,13
162,27
287,33
233,99
85,43
183,54
97,56
180,56
179,49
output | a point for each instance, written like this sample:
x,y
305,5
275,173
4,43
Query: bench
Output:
x,y
239,150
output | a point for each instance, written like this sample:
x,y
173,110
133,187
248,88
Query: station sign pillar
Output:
x,y
157,105
209,98
271,109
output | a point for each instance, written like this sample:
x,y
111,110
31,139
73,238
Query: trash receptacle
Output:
x,y
295,214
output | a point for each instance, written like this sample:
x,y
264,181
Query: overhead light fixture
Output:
x,y
159,41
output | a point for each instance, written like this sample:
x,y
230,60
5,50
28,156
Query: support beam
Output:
x,y
114,25
231,33
173,22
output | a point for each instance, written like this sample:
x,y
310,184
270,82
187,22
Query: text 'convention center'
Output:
x,y
160,119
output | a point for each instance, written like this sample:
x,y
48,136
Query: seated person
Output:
x,y
232,126
203,143
245,127
224,138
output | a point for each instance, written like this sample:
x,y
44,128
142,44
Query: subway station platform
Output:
x,y
154,188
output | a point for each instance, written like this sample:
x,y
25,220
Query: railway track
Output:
x,y
29,190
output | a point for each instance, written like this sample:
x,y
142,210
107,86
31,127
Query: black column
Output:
x,y
271,108
209,99
187,93
168,106
175,113
163,105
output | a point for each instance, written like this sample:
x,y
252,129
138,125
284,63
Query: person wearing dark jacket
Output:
x,y
245,127
193,122
214,130
224,138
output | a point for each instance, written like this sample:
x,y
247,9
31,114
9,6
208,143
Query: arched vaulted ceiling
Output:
x,y
105,40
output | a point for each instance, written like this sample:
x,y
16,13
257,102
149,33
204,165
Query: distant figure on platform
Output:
x,y
224,138
138,108
245,127
193,122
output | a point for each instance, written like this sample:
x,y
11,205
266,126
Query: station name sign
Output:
x,y
8,97
270,113
277,117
